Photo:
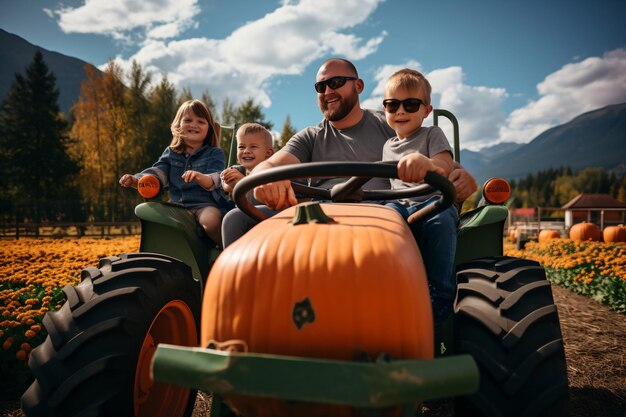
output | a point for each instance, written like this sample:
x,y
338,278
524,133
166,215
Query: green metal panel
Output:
x,y
358,384
481,233
170,230
232,154
455,129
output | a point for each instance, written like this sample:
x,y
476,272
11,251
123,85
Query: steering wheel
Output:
x,y
349,191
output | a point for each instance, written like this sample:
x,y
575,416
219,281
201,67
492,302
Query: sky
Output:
x,y
508,70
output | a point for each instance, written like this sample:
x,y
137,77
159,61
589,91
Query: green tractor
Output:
x,y
144,331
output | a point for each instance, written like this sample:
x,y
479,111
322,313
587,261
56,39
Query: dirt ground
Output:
x,y
595,348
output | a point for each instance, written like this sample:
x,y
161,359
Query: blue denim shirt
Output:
x,y
171,166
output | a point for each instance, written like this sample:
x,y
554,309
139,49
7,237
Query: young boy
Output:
x,y
254,145
419,150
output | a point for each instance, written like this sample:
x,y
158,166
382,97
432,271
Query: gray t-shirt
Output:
x,y
429,141
362,143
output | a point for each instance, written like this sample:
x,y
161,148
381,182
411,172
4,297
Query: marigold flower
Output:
x,y
21,355
7,343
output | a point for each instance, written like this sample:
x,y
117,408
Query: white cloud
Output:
x,y
117,17
283,42
478,109
574,89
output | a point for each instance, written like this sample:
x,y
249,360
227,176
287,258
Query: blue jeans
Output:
x,y
436,238
236,223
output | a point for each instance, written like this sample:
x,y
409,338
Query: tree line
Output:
x,y
57,168
556,187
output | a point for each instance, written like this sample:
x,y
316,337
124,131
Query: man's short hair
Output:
x,y
349,64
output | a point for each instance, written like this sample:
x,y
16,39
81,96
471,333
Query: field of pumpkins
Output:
x,y
589,261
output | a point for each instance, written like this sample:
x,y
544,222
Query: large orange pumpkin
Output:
x,y
548,234
335,290
585,231
614,234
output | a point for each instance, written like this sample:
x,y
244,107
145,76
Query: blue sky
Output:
x,y
508,70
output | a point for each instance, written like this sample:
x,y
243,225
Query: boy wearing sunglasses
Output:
x,y
421,149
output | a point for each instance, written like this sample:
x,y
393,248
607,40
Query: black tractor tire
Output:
x,y
96,358
505,317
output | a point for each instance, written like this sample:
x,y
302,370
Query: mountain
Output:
x,y
593,139
473,161
16,54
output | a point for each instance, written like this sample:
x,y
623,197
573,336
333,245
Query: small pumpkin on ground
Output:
x,y
614,234
548,234
581,232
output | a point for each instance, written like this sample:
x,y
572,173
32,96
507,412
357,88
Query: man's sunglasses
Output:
x,y
334,83
411,105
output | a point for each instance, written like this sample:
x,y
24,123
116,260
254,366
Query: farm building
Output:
x,y
601,209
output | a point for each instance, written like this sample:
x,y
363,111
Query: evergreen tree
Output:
x,y
250,112
210,103
556,187
163,107
38,170
185,95
138,117
247,112
287,132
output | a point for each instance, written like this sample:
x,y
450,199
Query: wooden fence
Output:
x,y
60,230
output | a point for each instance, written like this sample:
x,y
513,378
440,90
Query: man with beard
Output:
x,y
347,133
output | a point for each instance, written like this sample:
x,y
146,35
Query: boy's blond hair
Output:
x,y
409,79
201,110
250,128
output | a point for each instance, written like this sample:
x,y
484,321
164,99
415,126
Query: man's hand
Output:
x,y
276,195
463,182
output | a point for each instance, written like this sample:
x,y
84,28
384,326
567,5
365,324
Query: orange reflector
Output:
x,y
148,186
496,190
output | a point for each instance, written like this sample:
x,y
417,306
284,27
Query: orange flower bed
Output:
x,y
33,273
593,269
